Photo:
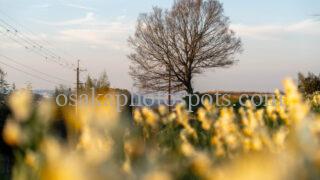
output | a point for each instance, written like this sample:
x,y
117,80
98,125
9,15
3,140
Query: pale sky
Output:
x,y
280,38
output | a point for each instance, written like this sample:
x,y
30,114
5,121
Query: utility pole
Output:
x,y
78,77
73,131
78,70
77,86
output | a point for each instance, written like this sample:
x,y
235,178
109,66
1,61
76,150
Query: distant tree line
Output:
x,y
98,84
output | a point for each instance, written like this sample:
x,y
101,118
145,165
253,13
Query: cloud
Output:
x,y
41,6
310,27
94,32
8,44
112,34
77,6
89,17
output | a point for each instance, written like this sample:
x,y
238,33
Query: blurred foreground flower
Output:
x,y
12,134
280,141
20,103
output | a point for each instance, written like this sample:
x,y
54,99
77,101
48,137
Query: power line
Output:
x,y
30,74
26,46
25,37
27,41
36,44
35,34
32,45
33,69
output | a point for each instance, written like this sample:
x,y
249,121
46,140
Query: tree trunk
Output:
x,y
189,87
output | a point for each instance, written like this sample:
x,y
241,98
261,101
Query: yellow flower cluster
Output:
x,y
226,134
279,141
316,99
20,103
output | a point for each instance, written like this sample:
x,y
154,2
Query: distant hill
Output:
x,y
43,92
238,93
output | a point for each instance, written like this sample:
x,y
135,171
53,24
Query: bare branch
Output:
x,y
192,36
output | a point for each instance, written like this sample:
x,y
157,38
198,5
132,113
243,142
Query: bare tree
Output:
x,y
183,41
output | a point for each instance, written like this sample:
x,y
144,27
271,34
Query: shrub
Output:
x,y
308,84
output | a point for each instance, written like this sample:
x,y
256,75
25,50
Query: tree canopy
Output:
x,y
180,42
